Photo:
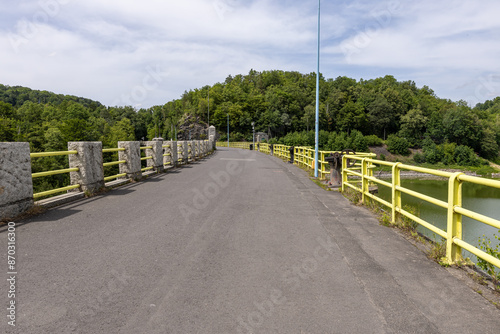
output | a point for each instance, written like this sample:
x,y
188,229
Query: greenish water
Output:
x,y
481,199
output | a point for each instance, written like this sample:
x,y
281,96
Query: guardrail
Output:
x,y
87,168
114,163
359,176
54,172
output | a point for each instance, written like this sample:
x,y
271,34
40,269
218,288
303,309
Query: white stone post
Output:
x,y
171,156
16,185
89,160
132,156
157,153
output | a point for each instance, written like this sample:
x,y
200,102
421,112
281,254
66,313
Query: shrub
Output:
x,y
359,142
397,145
465,156
419,158
373,140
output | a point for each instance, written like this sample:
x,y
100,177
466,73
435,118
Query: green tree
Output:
x,y
413,126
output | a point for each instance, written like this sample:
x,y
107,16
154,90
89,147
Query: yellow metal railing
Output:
x,y
54,172
359,177
114,163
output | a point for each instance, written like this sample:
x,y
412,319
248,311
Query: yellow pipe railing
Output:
x,y
109,178
455,211
113,163
109,150
55,191
51,154
54,172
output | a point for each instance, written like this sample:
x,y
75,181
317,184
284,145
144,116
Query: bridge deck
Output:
x,y
238,243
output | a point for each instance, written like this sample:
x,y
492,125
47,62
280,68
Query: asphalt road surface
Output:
x,y
237,243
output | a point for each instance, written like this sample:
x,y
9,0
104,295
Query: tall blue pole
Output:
x,y
317,98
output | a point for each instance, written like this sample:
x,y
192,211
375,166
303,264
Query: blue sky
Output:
x,y
148,52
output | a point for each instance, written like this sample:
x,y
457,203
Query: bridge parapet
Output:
x,y
86,168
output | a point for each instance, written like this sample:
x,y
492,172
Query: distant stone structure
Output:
x,y
260,136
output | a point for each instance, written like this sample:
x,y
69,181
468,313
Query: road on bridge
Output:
x,y
240,242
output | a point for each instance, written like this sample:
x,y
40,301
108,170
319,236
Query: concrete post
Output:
x,y
199,155
186,152
16,185
192,150
132,156
204,148
89,161
171,157
194,144
157,153
183,150
211,132
180,152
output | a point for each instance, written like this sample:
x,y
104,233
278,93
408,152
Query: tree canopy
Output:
x,y
279,103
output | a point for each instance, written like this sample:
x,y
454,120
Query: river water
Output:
x,y
481,199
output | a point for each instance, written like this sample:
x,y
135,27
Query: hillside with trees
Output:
x,y
280,103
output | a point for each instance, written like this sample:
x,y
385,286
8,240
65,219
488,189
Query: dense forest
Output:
x,y
280,103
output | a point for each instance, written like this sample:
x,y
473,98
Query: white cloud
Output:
x,y
103,49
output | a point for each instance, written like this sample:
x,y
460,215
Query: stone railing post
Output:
x,y
204,146
199,155
171,157
191,150
180,152
89,160
16,185
132,156
157,153
185,152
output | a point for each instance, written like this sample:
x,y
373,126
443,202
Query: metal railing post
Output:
x,y
344,173
454,220
364,181
396,194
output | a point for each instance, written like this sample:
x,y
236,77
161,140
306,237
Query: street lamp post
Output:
x,y
227,130
208,130
253,130
317,97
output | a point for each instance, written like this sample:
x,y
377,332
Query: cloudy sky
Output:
x,y
148,52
